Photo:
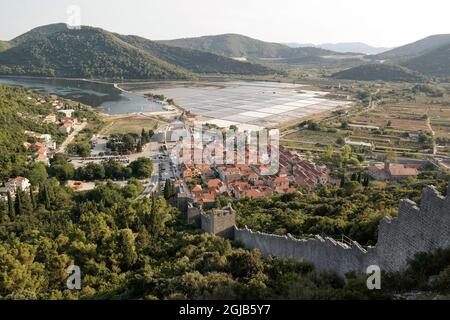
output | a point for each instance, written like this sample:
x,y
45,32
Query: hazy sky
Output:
x,y
379,23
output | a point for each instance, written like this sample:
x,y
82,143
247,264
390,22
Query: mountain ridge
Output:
x,y
416,48
380,72
55,50
344,47
236,45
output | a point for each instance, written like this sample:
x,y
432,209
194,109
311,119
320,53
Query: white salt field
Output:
x,y
262,104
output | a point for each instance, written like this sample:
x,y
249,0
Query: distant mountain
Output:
x,y
195,60
300,45
55,50
235,45
434,63
417,48
343,47
232,45
357,47
383,72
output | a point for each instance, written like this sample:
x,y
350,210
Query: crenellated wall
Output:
x,y
414,230
325,253
399,239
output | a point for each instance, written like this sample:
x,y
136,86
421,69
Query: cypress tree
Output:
x,y
173,189
167,189
342,180
33,203
18,202
46,198
11,211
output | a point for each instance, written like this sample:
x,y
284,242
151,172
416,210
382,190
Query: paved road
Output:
x,y
78,127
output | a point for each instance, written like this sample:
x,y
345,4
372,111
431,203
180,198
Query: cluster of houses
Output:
x,y
300,171
12,185
208,181
42,148
67,123
392,171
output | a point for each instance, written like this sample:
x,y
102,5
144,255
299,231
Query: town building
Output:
x,y
392,171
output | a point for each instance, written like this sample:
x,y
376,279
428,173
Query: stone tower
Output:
x,y
220,222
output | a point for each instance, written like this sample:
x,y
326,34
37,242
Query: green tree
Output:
x,y
38,174
11,211
142,168
127,248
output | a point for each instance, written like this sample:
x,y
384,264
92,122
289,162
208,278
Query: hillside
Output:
x,y
343,47
434,63
4,45
17,114
232,45
55,50
383,72
195,60
235,45
417,48
88,52
357,47
39,33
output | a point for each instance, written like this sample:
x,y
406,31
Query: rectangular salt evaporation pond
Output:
x,y
272,110
239,118
255,102
255,114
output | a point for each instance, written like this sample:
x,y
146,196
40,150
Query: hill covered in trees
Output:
x,y
417,48
434,63
4,45
141,249
430,56
17,114
383,72
195,60
236,45
88,52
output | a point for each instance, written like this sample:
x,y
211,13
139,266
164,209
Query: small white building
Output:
x,y
18,182
51,118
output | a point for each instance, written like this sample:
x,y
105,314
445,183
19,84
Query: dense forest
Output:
x,y
142,249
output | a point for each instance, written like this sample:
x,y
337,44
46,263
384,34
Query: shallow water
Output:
x,y
103,96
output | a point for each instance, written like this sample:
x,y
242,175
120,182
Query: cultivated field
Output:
x,y
128,124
